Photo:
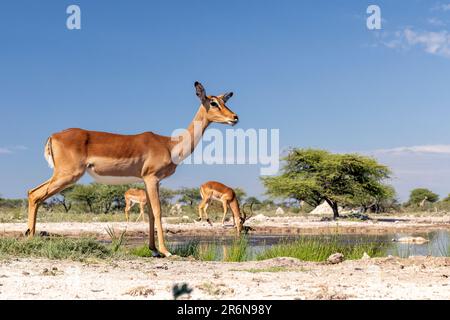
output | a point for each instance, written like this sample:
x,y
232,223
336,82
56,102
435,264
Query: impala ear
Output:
x,y
200,91
227,96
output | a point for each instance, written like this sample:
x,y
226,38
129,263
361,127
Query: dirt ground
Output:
x,y
260,224
280,278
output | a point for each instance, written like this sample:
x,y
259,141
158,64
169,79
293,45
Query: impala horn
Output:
x,y
251,211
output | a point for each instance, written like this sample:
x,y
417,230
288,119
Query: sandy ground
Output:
x,y
152,278
259,223
281,278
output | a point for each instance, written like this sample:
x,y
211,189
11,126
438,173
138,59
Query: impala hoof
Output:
x,y
210,223
156,254
27,233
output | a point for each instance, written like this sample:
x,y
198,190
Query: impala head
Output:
x,y
215,106
244,218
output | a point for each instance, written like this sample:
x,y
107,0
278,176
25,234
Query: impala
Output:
x,y
117,159
213,190
132,197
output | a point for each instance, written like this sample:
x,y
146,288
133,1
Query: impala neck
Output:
x,y
192,135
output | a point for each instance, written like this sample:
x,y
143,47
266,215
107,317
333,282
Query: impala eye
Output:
x,y
214,104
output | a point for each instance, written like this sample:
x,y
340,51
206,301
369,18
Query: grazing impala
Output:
x,y
116,159
213,190
132,197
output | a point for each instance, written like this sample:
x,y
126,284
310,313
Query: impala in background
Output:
x,y
132,197
213,190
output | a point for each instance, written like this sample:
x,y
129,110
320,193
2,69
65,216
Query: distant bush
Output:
x,y
12,203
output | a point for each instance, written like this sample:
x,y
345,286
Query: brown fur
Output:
x,y
133,196
146,156
213,190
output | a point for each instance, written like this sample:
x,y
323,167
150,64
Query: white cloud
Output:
x,y
20,147
10,150
441,7
417,166
436,22
423,149
433,42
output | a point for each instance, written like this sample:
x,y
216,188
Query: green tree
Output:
x,y
379,201
422,194
189,196
85,194
253,200
447,199
315,175
240,194
107,194
268,203
62,199
166,195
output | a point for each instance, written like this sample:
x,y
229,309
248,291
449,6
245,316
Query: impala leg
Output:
x,y
152,185
39,194
234,206
206,213
225,210
127,209
141,210
201,206
151,225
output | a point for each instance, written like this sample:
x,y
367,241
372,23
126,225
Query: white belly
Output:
x,y
113,180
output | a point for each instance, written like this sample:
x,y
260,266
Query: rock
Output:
x,y
365,256
335,258
279,211
411,240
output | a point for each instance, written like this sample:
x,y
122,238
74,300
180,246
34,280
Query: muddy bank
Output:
x,y
281,278
259,225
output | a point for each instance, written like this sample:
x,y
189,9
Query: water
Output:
x,y
439,244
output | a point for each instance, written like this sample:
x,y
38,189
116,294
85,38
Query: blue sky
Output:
x,y
310,68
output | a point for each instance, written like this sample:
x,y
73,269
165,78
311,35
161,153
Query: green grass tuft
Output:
x,y
54,248
309,249
238,250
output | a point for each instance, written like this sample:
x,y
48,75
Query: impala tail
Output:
x,y
48,153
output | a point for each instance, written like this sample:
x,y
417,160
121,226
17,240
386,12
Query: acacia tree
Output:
x,y
189,196
380,201
314,176
253,200
63,200
422,194
107,194
85,194
240,194
166,195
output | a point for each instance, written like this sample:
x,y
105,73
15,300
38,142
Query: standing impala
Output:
x,y
132,197
116,159
213,190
